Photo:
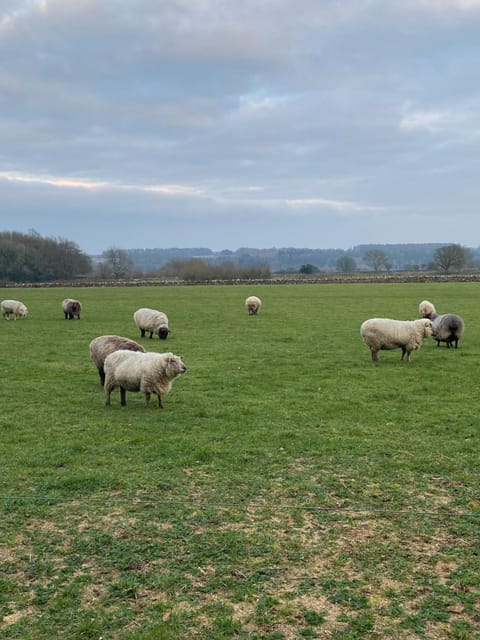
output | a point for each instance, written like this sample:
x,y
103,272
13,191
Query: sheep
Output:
x,y
425,309
13,307
71,308
447,327
153,321
385,333
253,304
103,346
137,371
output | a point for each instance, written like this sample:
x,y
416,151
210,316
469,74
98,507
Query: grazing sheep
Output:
x,y
103,346
447,327
152,321
253,304
425,309
71,308
136,371
385,333
13,307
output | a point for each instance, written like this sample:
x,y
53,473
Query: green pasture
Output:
x,y
290,488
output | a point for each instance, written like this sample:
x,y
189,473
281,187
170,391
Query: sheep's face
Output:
x,y
428,328
175,366
163,333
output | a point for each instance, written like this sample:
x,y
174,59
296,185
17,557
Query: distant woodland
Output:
x,y
33,258
398,257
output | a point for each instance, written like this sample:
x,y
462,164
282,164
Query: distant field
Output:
x,y
289,488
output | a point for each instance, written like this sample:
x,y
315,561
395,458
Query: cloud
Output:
x,y
220,111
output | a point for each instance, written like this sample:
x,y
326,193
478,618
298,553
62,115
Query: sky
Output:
x,y
240,123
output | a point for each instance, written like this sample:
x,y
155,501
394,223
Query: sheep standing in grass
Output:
x,y
152,321
447,327
385,333
103,346
13,308
71,308
253,304
146,372
425,309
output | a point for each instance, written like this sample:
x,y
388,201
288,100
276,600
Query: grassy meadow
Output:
x,y
289,488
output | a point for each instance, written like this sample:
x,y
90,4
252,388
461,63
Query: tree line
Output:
x,y
33,258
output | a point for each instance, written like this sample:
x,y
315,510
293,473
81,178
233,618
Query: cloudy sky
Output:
x,y
240,123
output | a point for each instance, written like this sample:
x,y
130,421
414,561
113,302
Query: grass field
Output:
x,y
289,488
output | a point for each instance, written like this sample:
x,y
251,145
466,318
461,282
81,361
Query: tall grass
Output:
x,y
289,488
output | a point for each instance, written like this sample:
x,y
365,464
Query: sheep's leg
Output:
x,y
123,396
108,391
101,373
151,335
160,403
142,333
374,356
147,398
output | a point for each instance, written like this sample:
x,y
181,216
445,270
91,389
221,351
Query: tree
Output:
x,y
308,268
346,264
32,258
451,257
376,259
117,263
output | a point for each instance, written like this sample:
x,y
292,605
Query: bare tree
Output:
x,y
346,264
451,257
376,259
117,262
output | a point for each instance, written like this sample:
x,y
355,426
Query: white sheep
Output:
x,y
425,309
13,307
103,346
447,327
152,321
71,308
385,333
137,371
253,304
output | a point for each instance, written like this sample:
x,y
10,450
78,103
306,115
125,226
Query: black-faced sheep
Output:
x,y
385,333
103,346
447,327
146,372
151,321
253,304
13,308
71,308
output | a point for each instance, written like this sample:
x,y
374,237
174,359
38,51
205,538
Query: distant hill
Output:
x,y
401,256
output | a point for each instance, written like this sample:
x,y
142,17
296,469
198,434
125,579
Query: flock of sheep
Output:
x,y
123,363
408,335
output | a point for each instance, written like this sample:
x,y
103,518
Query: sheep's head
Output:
x,y
163,333
175,365
427,327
